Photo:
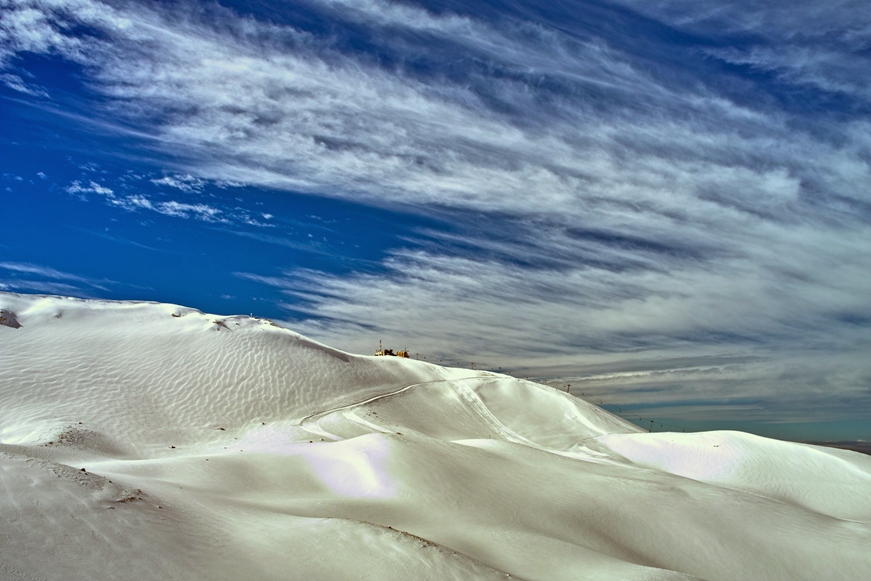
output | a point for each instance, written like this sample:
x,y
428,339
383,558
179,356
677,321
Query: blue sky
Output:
x,y
666,204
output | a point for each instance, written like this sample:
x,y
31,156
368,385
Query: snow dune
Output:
x,y
152,441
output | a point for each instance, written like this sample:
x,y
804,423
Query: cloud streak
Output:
x,y
172,208
26,277
650,187
120,197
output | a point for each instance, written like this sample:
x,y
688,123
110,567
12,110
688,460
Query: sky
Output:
x,y
665,205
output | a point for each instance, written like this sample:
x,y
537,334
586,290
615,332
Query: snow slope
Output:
x,y
152,441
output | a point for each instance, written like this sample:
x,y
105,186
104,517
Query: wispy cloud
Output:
x,y
121,197
600,307
16,83
25,277
612,192
202,212
804,42
306,245
185,183
793,318
91,188
137,201
43,271
280,108
47,287
119,239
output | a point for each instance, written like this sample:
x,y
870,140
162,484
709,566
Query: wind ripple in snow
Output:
x,y
257,453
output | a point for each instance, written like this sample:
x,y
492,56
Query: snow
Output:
x,y
153,441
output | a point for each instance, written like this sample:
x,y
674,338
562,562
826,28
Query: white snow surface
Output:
x,y
152,441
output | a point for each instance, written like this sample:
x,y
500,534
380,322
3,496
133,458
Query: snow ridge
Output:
x,y
152,441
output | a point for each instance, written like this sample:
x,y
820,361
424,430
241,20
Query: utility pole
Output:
x,y
651,427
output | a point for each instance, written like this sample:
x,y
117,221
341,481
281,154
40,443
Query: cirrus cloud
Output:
x,y
632,178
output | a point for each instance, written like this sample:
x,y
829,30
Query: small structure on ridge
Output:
x,y
384,352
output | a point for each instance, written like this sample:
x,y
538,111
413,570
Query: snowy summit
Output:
x,y
152,441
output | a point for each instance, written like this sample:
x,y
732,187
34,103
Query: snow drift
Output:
x,y
152,441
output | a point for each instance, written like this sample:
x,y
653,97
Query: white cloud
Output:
x,y
650,209
16,83
849,19
249,109
826,69
316,120
782,335
807,42
180,210
185,183
138,201
27,269
171,208
47,287
133,203
92,188
622,302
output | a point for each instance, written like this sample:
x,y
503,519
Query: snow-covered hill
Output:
x,y
152,441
